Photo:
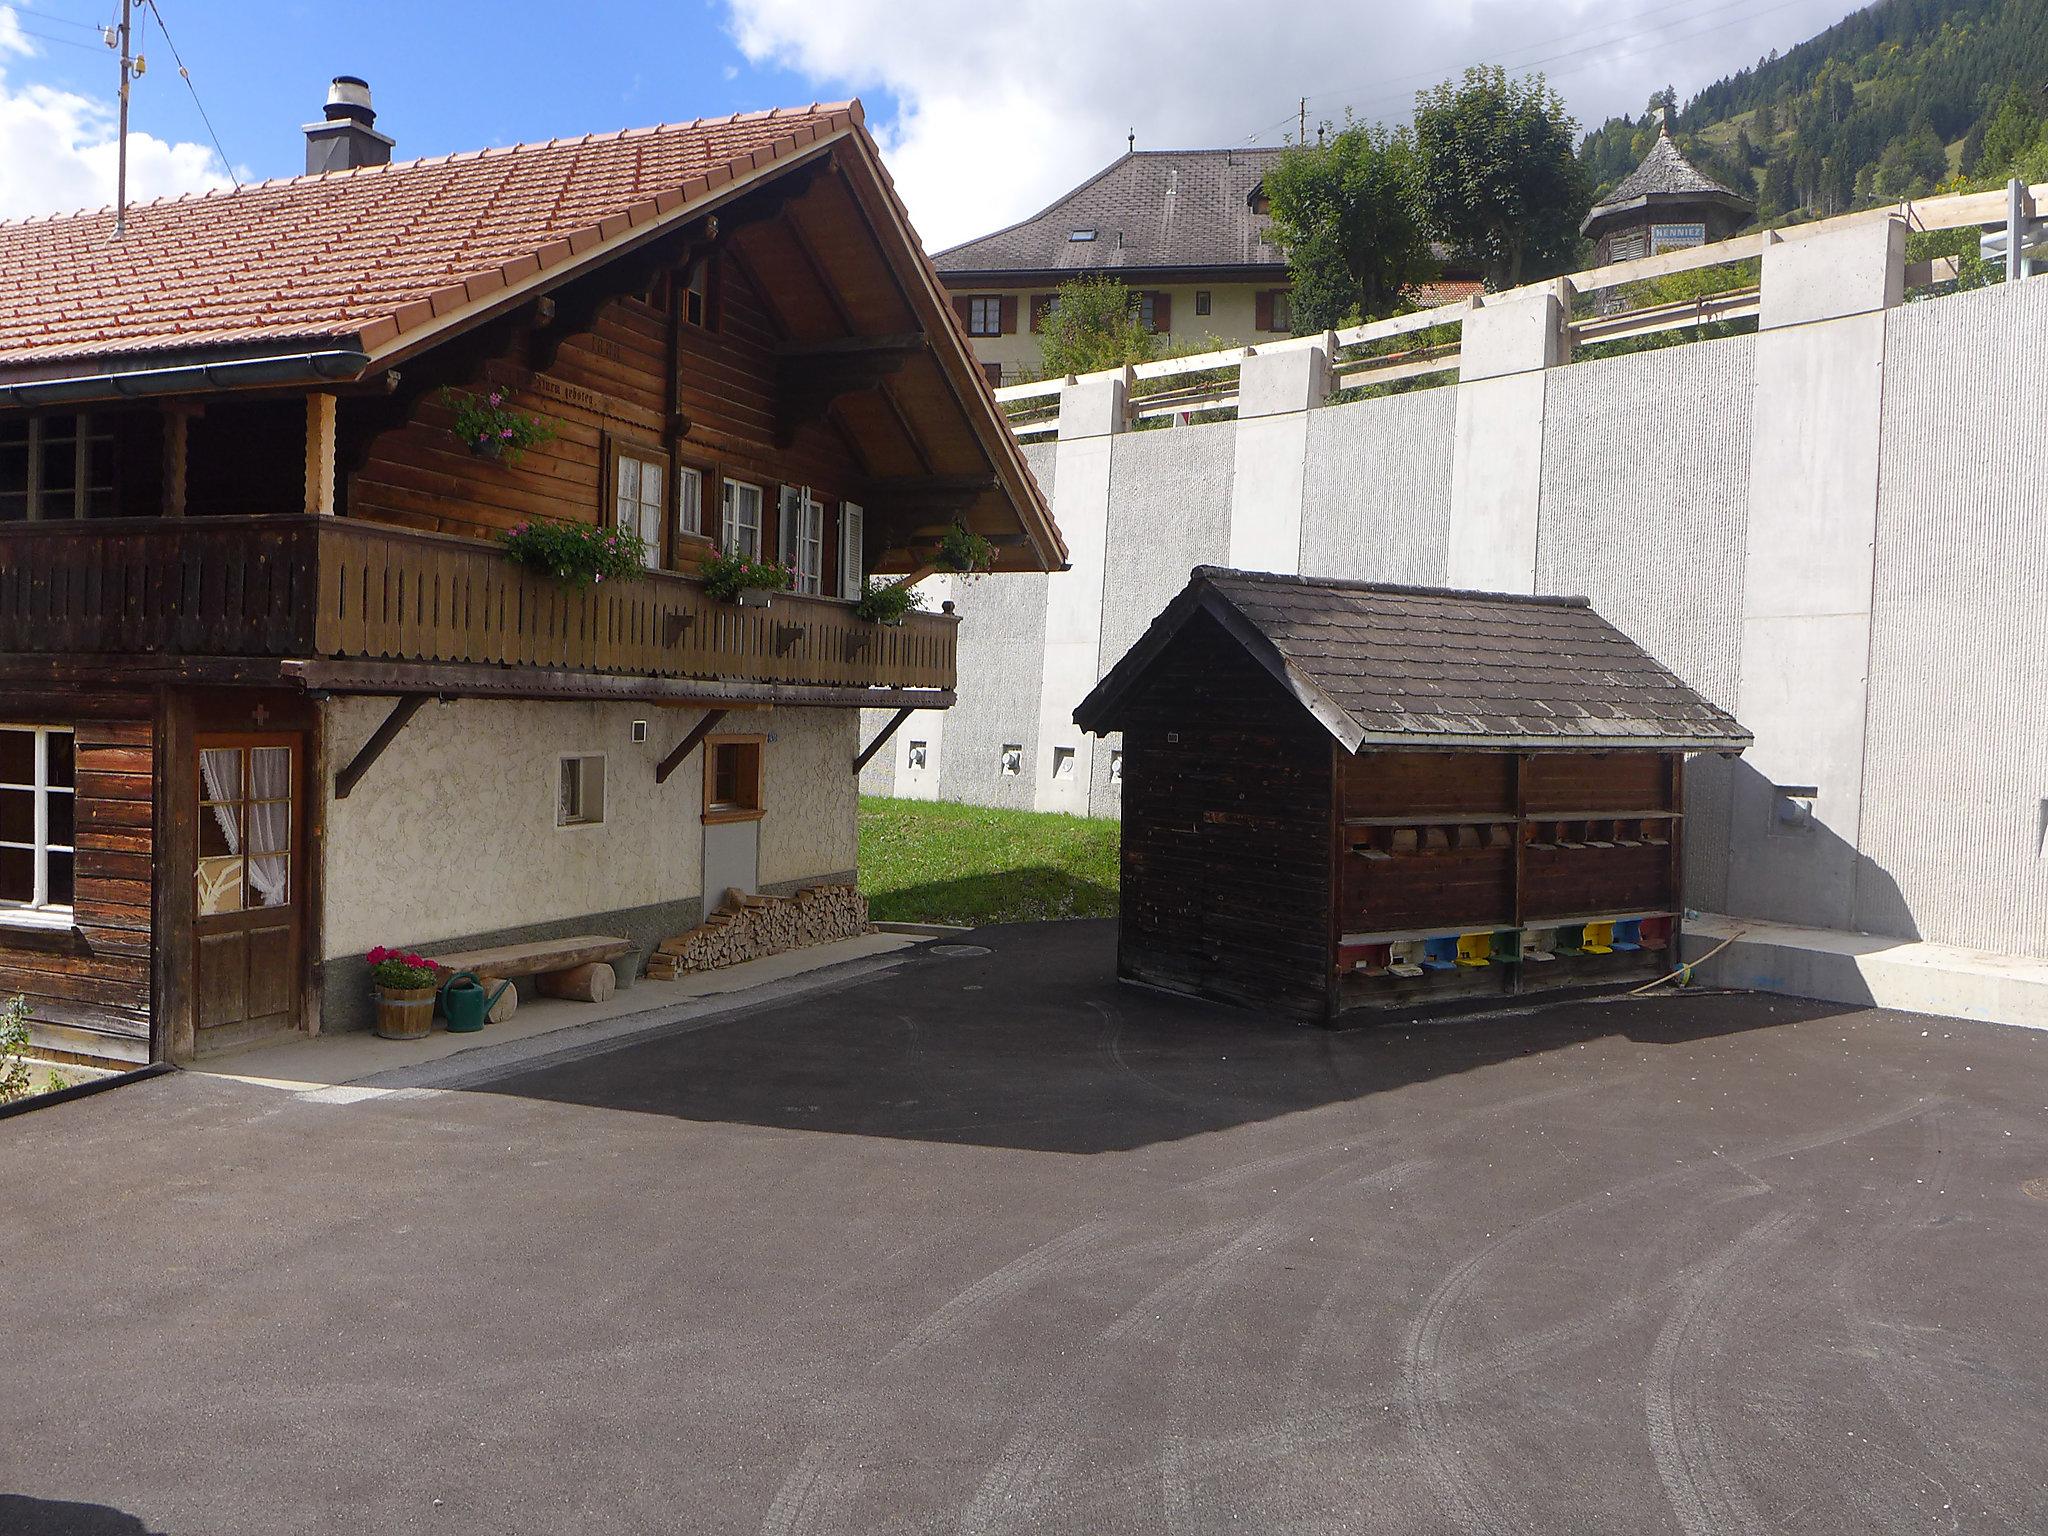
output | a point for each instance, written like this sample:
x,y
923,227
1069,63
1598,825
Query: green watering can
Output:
x,y
466,1003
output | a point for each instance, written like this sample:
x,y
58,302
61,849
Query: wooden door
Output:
x,y
249,924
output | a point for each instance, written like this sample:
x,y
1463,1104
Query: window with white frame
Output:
x,y
689,500
739,530
36,796
985,315
803,538
852,531
639,486
56,467
579,798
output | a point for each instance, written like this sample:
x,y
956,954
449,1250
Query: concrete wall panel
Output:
x,y
1376,499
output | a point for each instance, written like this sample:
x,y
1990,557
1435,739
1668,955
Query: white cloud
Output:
x,y
58,150
1005,107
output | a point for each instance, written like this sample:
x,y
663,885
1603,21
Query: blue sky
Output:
x,y
984,112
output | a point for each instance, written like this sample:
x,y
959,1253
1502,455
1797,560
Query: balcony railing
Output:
x,y
338,588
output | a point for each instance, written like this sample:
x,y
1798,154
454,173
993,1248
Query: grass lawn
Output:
x,y
926,862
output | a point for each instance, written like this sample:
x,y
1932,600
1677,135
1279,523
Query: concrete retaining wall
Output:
x,y
1832,527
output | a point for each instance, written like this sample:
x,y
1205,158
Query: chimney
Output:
x,y
348,138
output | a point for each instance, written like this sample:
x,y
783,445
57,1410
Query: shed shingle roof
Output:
x,y
1667,176
369,253
1172,208
1393,666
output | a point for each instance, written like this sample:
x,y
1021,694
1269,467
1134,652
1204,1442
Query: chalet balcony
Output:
x,y
349,602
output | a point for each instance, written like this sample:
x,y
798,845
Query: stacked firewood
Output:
x,y
747,927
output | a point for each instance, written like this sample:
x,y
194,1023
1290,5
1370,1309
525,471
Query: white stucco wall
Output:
x,y
1233,308
452,832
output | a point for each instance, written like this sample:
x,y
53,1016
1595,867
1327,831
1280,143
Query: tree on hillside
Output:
x,y
1093,324
1346,213
2010,133
1497,174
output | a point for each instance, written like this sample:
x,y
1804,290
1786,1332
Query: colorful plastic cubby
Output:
x,y
1475,949
1507,946
1539,945
1656,933
1571,939
1441,953
1627,934
1405,958
1372,959
1599,939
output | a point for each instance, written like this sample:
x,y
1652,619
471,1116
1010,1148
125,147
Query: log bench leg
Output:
x,y
592,983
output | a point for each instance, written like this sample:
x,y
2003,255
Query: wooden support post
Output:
x,y
320,453
406,707
688,744
176,434
875,746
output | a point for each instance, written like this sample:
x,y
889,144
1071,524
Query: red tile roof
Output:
x,y
362,256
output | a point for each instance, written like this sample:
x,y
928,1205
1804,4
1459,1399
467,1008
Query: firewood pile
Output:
x,y
748,927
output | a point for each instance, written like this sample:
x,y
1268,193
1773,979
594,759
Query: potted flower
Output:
x,y
886,602
405,986
731,577
577,554
965,553
490,428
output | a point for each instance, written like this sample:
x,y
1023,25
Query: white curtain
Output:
x,y
270,824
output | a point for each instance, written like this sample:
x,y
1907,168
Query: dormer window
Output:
x,y
1078,235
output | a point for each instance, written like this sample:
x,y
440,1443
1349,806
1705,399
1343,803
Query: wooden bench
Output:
x,y
566,967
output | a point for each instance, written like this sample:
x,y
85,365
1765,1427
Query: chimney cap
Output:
x,y
348,96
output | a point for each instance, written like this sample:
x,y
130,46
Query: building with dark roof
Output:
x,y
1344,794
1186,229
1664,204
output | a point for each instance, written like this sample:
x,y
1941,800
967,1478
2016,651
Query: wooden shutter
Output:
x,y
1041,306
1162,313
1262,310
852,528
960,309
1009,321
787,518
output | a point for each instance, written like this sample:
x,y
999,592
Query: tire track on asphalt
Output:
x,y
1448,1456
1702,1487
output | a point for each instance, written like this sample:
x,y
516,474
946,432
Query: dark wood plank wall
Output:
x,y
246,457
89,990
1226,864
609,382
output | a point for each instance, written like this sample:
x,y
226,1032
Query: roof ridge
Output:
x,y
850,105
1391,588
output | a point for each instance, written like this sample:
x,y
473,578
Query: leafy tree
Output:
x,y
1093,325
1345,211
2010,133
1911,165
1497,174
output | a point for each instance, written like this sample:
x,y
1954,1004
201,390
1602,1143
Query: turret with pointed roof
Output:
x,y
1665,202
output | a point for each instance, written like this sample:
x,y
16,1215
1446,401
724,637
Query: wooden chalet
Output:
x,y
270,691
1341,795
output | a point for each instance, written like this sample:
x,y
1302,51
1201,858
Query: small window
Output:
x,y
732,778
802,533
36,779
1063,762
1283,311
689,501
1079,235
1627,246
918,756
1201,301
1148,311
740,528
56,467
985,315
1116,765
852,554
1012,759
639,732
579,801
639,495
695,306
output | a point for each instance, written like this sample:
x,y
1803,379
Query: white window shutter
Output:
x,y
787,524
852,578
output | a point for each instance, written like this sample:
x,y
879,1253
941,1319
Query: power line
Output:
x,y
179,59
51,37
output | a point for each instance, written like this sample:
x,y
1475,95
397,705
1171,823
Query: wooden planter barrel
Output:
x,y
405,1013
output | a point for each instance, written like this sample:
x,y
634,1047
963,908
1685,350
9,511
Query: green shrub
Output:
x,y
577,554
886,601
14,1070
727,575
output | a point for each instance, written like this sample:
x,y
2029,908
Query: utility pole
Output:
x,y
121,155
1300,138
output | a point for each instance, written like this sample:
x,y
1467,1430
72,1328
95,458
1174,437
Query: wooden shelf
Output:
x,y
1501,819
1505,925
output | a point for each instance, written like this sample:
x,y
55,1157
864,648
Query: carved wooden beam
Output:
x,y
688,744
810,378
407,706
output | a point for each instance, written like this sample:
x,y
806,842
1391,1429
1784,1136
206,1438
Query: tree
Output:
x,y
2011,133
1497,174
1092,325
1345,211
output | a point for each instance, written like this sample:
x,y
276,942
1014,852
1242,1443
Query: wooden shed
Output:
x,y
1344,795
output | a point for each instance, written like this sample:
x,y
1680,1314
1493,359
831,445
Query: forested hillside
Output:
x,y
1888,103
